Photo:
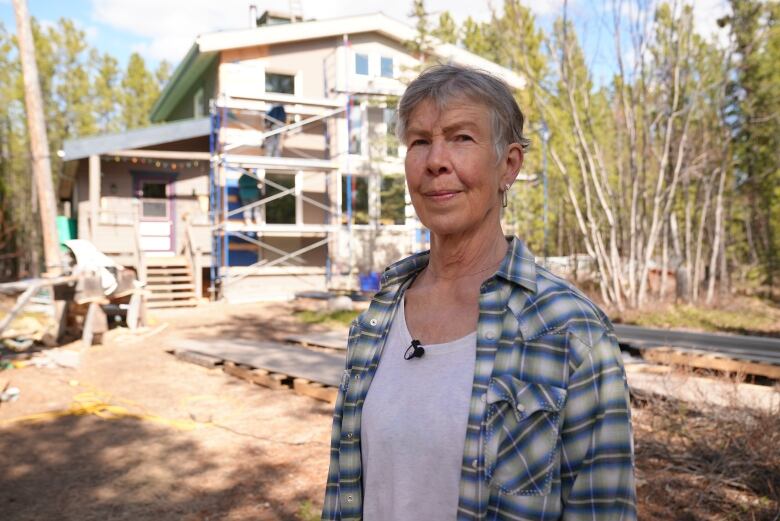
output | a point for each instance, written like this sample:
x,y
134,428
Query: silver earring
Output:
x,y
504,196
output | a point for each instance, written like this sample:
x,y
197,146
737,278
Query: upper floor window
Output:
x,y
387,67
280,83
361,64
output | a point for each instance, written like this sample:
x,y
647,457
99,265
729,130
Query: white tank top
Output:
x,y
414,428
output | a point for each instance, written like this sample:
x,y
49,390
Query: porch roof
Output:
x,y
137,138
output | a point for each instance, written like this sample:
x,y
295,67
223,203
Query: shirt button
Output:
x,y
349,435
520,407
372,321
490,336
474,463
483,397
349,499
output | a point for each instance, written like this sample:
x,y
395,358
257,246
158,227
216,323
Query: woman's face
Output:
x,y
452,172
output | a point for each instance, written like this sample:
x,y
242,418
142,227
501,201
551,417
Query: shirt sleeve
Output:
x,y
597,458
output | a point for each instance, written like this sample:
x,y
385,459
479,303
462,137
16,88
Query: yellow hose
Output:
x,y
98,404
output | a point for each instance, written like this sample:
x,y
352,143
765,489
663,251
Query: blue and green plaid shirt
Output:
x,y
549,428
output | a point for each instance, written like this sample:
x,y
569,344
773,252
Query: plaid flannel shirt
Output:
x,y
549,430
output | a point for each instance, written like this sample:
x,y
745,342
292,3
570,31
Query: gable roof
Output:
x,y
137,138
207,46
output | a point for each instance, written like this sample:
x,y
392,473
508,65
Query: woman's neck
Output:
x,y
459,257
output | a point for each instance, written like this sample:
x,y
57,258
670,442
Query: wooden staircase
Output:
x,y
170,282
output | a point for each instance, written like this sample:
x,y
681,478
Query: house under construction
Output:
x,y
271,168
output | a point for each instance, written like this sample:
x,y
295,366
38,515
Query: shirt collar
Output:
x,y
518,266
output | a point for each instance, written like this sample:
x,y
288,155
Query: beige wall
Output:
x,y
118,211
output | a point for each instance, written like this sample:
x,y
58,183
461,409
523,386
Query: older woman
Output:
x,y
478,385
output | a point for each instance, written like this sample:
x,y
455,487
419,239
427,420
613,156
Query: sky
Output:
x,y
165,29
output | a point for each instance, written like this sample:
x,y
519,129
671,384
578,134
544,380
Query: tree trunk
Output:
x,y
716,243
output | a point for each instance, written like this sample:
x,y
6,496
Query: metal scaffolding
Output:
x,y
230,157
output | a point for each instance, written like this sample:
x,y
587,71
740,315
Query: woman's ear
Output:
x,y
512,164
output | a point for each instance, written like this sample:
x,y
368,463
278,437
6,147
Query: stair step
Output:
x,y
160,279
167,271
172,304
169,295
157,288
166,261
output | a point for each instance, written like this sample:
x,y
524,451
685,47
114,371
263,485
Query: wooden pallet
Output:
x,y
207,361
262,377
277,381
330,339
707,360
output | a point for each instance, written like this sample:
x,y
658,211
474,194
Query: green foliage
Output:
x,y
140,90
83,92
332,318
745,316
447,31
422,43
755,113
392,197
307,512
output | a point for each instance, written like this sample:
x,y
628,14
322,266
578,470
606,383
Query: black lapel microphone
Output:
x,y
414,350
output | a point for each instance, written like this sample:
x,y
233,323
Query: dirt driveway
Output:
x,y
151,437
135,434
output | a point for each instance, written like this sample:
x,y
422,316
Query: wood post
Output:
x,y
39,143
94,196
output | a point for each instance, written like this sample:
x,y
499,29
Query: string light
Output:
x,y
174,165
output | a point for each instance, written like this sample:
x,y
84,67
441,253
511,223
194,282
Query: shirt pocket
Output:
x,y
522,427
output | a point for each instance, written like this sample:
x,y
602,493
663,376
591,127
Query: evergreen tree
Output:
x,y
162,74
139,92
755,114
447,31
106,91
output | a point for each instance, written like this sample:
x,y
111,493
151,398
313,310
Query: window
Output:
x,y
359,191
280,83
393,200
154,200
387,67
355,129
361,64
391,140
281,210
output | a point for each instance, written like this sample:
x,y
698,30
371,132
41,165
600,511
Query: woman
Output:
x,y
478,385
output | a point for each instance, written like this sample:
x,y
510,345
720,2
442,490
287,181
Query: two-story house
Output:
x,y
271,167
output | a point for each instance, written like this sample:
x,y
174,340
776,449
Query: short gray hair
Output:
x,y
443,83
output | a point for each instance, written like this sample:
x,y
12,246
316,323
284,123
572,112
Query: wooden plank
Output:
x,y
297,362
197,358
315,390
330,339
168,295
89,321
22,301
707,360
172,304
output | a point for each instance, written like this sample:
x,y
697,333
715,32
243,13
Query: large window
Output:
x,y
281,210
387,67
361,64
393,200
280,83
357,187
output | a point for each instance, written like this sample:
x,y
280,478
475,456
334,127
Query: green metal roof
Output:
x,y
189,71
